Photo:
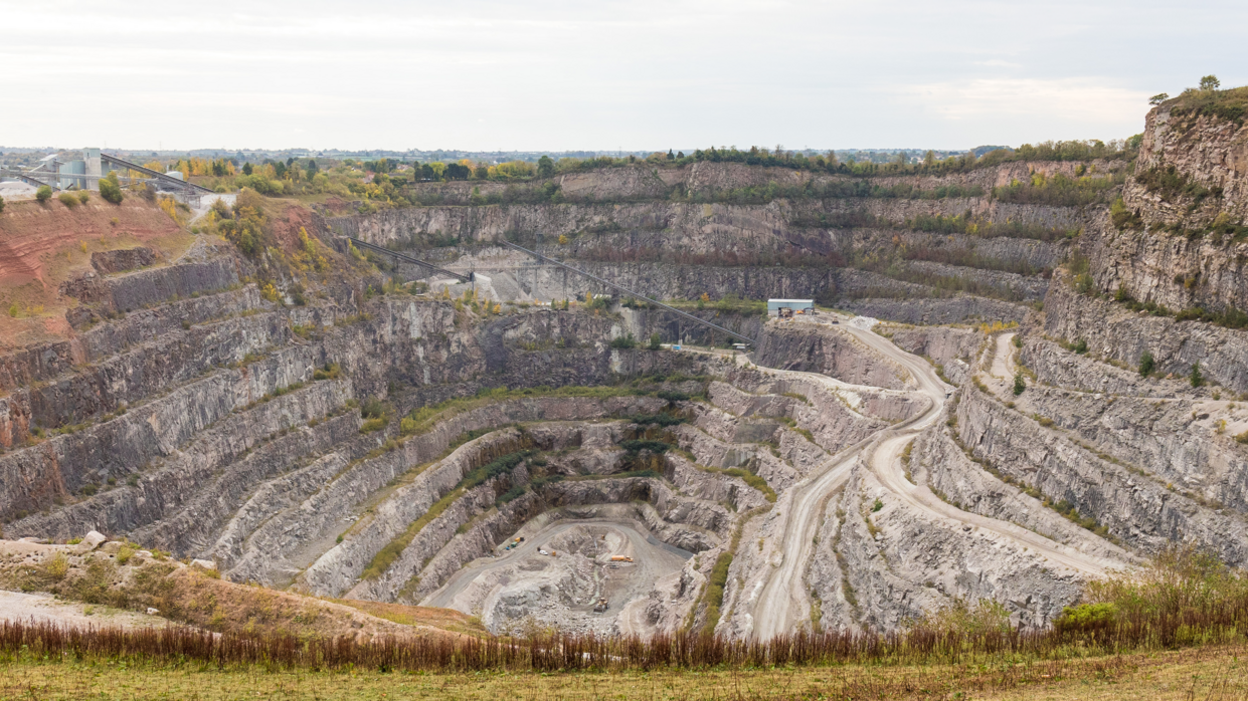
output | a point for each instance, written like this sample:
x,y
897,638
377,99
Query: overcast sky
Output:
x,y
635,74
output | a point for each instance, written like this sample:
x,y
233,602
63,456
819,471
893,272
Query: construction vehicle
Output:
x,y
621,558
601,606
785,312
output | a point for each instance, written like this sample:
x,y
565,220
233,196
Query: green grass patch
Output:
x,y
391,552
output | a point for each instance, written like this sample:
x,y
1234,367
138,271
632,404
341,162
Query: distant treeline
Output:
x,y
1045,151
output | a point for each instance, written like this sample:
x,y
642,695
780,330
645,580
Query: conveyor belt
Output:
x,y
408,259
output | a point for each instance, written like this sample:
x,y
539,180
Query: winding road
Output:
x,y
783,602
784,598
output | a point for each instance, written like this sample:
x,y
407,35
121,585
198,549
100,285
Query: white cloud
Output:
x,y
1094,101
556,74
998,63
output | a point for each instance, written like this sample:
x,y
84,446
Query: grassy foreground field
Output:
x,y
1207,674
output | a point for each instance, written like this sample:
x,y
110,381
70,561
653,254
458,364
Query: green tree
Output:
x,y
110,189
1147,364
1196,378
1019,384
624,342
655,341
247,169
1210,83
43,194
1,204
313,168
545,167
1158,98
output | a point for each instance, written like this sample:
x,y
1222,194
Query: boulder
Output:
x,y
91,541
208,565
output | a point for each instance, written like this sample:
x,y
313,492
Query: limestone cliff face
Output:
x,y
644,227
683,227
1209,149
1142,513
1114,332
821,349
1192,175
952,350
1175,271
153,400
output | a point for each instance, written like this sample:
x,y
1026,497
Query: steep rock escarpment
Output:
x,y
1135,509
951,350
824,349
1111,331
1189,199
645,228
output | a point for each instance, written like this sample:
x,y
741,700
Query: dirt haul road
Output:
x,y
784,602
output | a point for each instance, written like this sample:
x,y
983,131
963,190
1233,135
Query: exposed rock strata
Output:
x,y
1111,331
1139,512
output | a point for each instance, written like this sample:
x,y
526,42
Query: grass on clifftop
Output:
x,y
1231,104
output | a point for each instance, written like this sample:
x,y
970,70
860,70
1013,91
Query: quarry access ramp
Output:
x,y
781,603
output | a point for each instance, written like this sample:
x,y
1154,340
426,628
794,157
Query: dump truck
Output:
x,y
601,606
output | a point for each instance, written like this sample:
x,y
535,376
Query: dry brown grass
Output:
x,y
193,597
445,619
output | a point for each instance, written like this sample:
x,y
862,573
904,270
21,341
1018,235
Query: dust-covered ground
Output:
x,y
561,572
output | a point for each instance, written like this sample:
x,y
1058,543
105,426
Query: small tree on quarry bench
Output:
x,y
110,188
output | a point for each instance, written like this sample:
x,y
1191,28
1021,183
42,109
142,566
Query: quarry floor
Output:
x,y
623,583
1201,673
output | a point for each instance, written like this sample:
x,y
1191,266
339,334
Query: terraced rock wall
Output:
x,y
1134,508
